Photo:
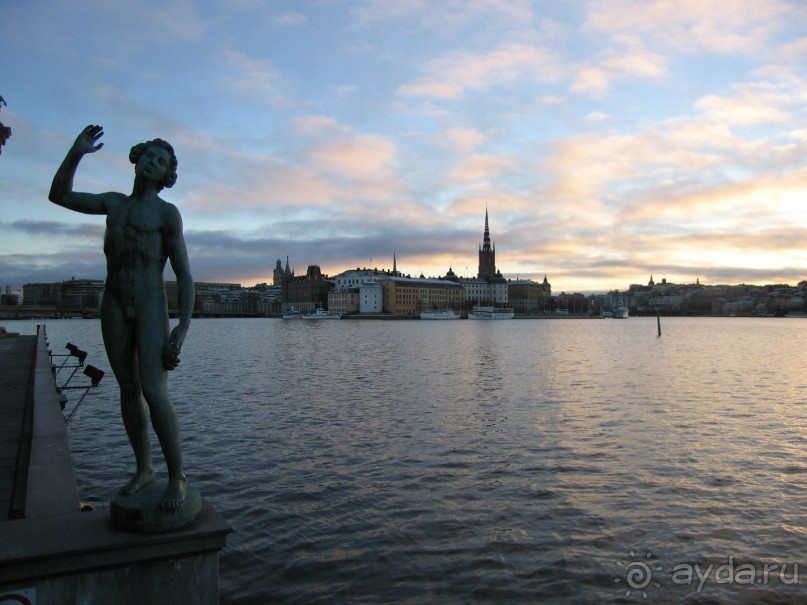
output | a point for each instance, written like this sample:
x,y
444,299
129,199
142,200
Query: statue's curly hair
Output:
x,y
171,175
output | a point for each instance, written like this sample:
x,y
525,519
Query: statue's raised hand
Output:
x,y
86,141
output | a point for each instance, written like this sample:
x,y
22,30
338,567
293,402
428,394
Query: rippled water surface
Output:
x,y
565,461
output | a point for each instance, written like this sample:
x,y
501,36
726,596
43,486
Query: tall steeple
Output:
x,y
487,254
394,264
486,237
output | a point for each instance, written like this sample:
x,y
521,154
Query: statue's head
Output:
x,y
171,174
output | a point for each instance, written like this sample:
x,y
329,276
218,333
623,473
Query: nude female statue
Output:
x,y
142,232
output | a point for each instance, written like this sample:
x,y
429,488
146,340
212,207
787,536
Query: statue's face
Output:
x,y
153,164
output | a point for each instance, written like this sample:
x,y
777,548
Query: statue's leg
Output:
x,y
119,337
152,336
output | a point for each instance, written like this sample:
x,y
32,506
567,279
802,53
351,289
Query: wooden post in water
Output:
x,y
658,321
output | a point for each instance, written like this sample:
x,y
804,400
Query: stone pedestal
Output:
x,y
141,511
57,554
81,557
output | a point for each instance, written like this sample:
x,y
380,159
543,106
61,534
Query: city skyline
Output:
x,y
609,141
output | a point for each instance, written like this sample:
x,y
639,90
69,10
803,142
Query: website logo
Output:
x,y
638,575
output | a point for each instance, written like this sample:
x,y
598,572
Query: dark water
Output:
x,y
561,461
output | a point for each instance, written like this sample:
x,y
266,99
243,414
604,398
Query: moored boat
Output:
x,y
294,313
621,312
439,314
322,314
490,313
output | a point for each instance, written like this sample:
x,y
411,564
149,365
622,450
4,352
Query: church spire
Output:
x,y
487,254
486,236
394,264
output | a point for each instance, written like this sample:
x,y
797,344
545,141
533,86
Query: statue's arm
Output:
x,y
178,256
61,190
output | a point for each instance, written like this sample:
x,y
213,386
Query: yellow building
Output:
x,y
344,301
408,296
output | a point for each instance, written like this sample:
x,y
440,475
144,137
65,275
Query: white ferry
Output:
x,y
621,312
490,313
439,314
322,314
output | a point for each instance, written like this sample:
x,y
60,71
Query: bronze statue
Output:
x,y
142,232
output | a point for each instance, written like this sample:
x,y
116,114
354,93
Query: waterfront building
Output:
x,y
206,294
78,294
576,304
270,293
40,295
529,297
365,298
223,292
209,286
669,298
740,306
706,300
410,296
72,294
479,291
308,292
344,301
781,301
248,302
82,293
357,290
371,297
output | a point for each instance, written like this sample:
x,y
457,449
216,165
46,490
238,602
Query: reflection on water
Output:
x,y
455,462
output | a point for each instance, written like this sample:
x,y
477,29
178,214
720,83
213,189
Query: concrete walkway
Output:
x,y
16,373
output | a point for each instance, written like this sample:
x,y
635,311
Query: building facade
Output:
x,y
308,292
410,296
371,298
358,290
529,297
76,294
344,301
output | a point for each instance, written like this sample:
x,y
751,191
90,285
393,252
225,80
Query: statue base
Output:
x,y
141,511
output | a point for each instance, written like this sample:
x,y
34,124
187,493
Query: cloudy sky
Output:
x,y
608,139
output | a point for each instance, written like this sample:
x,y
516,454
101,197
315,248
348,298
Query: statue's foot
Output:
x,y
138,480
174,493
